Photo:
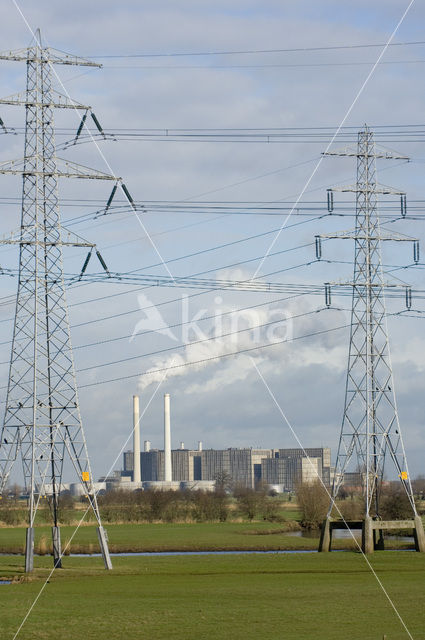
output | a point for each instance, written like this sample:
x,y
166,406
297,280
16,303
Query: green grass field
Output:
x,y
295,596
172,537
164,537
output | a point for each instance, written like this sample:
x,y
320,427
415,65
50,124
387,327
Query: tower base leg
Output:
x,y
57,550
419,534
325,536
29,550
103,541
367,535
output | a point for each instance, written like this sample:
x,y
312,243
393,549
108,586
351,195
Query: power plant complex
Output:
x,y
198,468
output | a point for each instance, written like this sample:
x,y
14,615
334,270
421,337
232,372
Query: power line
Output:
x,y
186,256
225,245
195,342
222,356
181,324
218,337
209,359
379,129
171,326
182,346
314,290
247,137
219,357
254,51
285,65
223,285
385,134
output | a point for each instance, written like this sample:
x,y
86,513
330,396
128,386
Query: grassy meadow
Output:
x,y
292,596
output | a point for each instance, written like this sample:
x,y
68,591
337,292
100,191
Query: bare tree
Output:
x,y
223,482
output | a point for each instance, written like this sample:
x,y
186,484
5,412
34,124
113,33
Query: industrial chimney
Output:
x,y
199,445
168,476
136,440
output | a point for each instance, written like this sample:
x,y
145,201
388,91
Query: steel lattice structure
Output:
x,y
42,420
370,427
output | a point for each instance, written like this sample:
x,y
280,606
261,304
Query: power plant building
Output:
x,y
274,471
185,465
241,466
323,453
246,467
152,465
291,471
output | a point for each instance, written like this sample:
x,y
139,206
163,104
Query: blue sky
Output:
x,y
223,404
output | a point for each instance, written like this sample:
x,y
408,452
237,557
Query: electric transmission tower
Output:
x,y
42,422
370,429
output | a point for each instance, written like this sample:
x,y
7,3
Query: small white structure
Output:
x,y
77,490
161,485
275,488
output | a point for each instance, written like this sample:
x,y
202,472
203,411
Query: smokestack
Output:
x,y
181,445
147,446
199,445
136,440
167,440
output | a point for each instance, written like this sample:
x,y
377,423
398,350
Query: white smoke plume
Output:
x,y
265,325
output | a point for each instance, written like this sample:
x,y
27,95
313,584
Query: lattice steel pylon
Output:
x,y
42,420
370,427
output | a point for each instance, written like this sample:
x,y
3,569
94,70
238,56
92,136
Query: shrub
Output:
x,y
271,511
313,501
210,506
12,516
43,546
352,508
158,502
250,502
395,504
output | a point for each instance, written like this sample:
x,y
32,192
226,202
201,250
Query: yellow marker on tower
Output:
x,y
85,476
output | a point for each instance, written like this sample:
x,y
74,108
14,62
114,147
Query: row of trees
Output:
x,y
313,503
155,506
190,506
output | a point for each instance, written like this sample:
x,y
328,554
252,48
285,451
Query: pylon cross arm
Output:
x,y
33,54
